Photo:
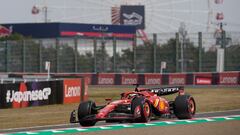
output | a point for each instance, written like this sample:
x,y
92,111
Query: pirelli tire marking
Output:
x,y
125,126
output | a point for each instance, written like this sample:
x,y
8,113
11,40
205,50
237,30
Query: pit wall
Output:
x,y
38,93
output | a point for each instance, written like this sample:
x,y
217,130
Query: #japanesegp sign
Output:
x,y
133,15
18,95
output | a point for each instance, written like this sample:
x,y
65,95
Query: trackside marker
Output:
x,y
127,125
149,124
81,129
31,133
227,118
105,127
169,122
122,125
207,119
190,121
56,131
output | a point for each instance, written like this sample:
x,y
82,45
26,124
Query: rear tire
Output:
x,y
85,109
184,107
141,109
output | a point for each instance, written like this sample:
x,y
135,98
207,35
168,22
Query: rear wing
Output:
x,y
168,90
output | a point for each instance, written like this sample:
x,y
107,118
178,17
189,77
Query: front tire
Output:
x,y
141,109
85,109
184,107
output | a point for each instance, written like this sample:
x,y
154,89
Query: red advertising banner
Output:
x,y
229,78
203,81
129,79
152,79
203,78
177,79
72,90
106,79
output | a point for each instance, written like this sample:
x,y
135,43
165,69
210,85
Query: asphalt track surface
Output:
x,y
100,124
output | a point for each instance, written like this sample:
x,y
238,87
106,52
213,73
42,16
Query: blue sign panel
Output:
x,y
53,30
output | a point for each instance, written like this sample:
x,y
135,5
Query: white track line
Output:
x,y
169,122
45,126
150,124
60,125
207,119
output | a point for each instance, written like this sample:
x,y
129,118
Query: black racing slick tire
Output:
x,y
141,109
184,107
86,108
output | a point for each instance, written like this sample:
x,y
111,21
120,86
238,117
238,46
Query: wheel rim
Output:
x,y
146,109
191,106
137,112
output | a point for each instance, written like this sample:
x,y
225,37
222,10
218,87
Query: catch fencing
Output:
x,y
195,52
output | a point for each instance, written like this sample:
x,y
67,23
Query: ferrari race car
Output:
x,y
138,106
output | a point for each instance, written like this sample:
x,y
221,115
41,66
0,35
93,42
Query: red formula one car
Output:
x,y
138,106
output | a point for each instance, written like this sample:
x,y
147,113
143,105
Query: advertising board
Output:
x,y
152,79
72,90
129,79
177,79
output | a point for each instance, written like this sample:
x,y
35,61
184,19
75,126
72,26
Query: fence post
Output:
x,y
103,59
40,55
154,52
23,55
95,54
177,51
200,51
134,54
57,48
114,54
6,56
75,55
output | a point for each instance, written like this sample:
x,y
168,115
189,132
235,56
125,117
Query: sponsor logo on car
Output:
x,y
164,90
33,95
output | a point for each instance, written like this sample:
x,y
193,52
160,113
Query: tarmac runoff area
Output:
x,y
219,123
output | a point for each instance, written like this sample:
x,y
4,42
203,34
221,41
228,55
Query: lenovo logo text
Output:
x,y
72,91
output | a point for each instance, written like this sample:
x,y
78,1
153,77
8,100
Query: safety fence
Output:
x,y
195,52
38,93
